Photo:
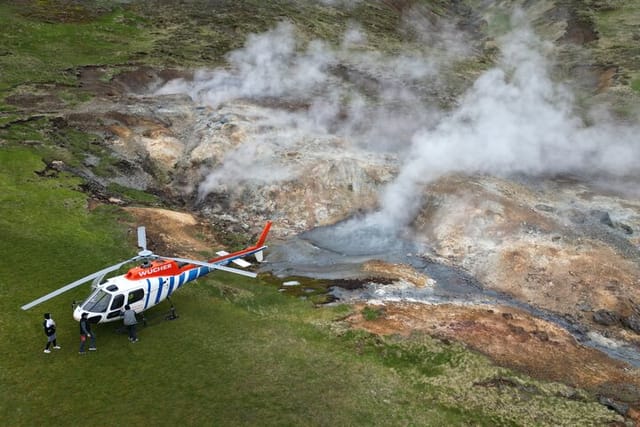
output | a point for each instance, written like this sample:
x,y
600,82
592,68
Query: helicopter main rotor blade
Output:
x,y
76,283
215,266
142,238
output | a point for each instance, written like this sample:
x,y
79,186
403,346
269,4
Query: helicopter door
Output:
x,y
135,299
116,306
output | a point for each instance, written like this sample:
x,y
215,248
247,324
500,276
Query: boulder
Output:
x,y
632,322
606,317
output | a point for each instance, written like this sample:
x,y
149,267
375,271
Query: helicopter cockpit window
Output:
x,y
135,296
98,302
118,302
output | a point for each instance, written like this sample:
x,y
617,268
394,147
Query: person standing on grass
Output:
x,y
130,322
50,331
85,333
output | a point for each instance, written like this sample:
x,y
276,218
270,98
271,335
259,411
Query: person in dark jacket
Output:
x,y
85,333
50,331
130,322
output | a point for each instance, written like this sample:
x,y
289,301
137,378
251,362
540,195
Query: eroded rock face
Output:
x,y
562,244
226,162
545,243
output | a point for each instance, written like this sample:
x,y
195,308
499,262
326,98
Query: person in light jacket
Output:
x,y
50,331
130,322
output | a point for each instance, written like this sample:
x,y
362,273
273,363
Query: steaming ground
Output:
x,y
319,127
513,119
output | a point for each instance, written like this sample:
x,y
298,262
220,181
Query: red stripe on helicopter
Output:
x,y
171,268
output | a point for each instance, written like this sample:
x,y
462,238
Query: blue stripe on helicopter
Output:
x,y
146,302
193,274
159,294
181,279
171,283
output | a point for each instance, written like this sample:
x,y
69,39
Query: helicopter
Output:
x,y
151,282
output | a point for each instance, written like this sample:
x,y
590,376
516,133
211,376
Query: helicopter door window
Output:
x,y
118,302
98,302
113,314
135,296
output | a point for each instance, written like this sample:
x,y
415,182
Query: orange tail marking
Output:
x,y
263,236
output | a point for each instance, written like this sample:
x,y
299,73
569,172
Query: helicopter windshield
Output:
x,y
98,302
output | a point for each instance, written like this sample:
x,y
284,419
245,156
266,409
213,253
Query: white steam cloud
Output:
x,y
514,118
270,65
349,93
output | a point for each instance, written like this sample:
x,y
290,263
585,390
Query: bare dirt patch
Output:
x,y
397,271
175,233
514,339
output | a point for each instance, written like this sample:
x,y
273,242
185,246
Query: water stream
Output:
x,y
337,252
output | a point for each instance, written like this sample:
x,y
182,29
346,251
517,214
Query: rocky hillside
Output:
x,y
500,136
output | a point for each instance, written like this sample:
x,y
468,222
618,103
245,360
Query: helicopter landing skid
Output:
x,y
172,311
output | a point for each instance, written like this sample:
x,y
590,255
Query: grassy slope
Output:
x,y
38,51
240,353
619,45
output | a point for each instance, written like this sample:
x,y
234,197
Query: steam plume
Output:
x,y
514,118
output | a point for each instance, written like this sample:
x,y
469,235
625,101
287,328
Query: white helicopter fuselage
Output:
x,y
106,303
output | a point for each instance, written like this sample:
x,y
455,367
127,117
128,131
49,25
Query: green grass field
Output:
x,y
240,353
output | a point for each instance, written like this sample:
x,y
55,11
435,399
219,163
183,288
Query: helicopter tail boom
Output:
x,y
259,256
255,250
263,236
